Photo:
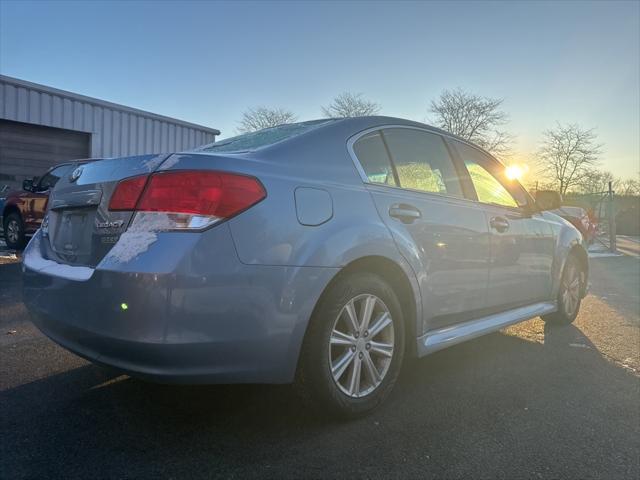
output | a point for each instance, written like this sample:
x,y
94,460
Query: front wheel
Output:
x,y
569,294
354,346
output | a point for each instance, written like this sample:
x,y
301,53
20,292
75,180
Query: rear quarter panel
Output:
x,y
271,234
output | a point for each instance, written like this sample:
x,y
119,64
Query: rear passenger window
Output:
x,y
374,160
422,161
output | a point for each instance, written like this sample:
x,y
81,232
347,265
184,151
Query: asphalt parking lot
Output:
x,y
531,401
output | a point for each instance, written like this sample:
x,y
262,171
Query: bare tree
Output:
x,y
596,181
567,155
474,118
262,117
629,186
350,105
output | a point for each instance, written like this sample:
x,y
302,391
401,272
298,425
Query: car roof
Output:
x,y
358,124
372,121
349,127
380,120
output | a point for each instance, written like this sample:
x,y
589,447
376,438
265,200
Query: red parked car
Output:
x,y
583,220
23,210
580,219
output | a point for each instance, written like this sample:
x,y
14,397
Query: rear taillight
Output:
x,y
127,193
185,199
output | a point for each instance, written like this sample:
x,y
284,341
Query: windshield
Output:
x,y
262,138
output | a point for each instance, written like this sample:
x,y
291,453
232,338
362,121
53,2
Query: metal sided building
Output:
x,y
41,126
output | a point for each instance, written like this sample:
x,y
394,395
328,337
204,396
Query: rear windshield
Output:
x,y
261,138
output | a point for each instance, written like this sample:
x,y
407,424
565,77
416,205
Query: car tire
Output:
x,y
332,338
14,231
570,293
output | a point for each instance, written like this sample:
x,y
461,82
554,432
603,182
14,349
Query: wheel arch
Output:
x,y
579,252
8,210
399,280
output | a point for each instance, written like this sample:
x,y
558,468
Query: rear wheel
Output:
x,y
353,349
14,231
569,293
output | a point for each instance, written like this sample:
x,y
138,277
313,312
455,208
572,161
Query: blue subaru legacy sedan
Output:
x,y
321,253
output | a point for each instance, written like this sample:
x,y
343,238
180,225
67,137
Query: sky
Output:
x,y
207,62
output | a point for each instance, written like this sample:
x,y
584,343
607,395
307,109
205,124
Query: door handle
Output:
x,y
500,224
404,213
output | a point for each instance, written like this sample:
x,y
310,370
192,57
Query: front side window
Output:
x,y
422,161
374,159
488,187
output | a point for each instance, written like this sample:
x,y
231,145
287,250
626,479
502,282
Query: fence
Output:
x,y
613,214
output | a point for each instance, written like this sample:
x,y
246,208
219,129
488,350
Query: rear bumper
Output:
x,y
211,319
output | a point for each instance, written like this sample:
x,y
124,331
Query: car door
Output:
x,y
522,245
418,194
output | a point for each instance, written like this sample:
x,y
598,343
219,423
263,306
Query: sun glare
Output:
x,y
515,172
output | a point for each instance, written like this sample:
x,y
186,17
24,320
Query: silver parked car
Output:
x,y
321,252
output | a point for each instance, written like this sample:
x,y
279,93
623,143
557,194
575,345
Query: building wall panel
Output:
x,y
115,130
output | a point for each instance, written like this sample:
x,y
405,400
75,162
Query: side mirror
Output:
x,y
27,184
548,200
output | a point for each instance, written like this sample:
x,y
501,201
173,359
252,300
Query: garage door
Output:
x,y
29,150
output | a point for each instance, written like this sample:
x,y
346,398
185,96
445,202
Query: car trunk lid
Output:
x,y
79,228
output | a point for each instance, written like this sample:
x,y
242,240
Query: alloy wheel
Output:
x,y
571,290
361,345
13,231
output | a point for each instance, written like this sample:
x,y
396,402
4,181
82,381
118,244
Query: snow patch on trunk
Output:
x,y
139,237
130,245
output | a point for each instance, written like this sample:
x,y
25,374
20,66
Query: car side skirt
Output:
x,y
438,339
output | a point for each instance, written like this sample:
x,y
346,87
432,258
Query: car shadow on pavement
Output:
x,y
501,405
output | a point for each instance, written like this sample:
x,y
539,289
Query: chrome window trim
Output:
x,y
449,137
354,158
363,176
438,196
